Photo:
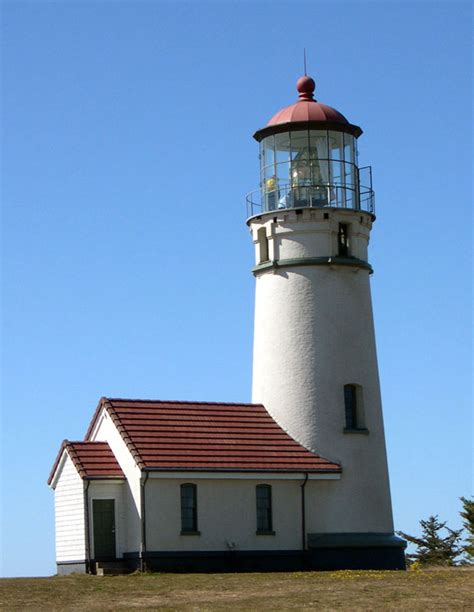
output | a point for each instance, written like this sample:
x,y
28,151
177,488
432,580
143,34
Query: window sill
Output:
x,y
191,533
358,430
267,533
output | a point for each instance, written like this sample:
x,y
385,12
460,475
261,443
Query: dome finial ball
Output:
x,y
305,86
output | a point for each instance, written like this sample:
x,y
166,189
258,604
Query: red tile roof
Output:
x,y
207,436
91,459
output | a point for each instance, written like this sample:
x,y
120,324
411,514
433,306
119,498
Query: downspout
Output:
x,y
143,516
303,513
87,521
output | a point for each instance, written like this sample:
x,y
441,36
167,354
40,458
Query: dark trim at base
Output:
x,y
334,551
377,557
71,567
313,261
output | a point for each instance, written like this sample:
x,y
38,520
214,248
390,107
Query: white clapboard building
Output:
x,y
297,479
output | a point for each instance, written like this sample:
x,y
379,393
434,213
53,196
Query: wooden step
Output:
x,y
112,568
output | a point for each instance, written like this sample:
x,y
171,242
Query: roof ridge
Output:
x,y
123,432
75,457
159,401
87,442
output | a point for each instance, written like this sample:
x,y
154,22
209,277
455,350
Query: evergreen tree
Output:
x,y
467,514
432,547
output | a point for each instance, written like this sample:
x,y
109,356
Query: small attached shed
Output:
x,y
88,487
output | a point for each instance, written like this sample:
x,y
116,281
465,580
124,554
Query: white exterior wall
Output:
x,y
314,333
308,234
226,513
104,489
105,431
69,513
348,506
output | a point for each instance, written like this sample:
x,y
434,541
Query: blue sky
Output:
x,y
127,153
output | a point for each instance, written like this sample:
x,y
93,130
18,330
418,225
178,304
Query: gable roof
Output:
x,y
171,435
92,460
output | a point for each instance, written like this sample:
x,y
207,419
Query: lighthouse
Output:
x,y
314,360
297,479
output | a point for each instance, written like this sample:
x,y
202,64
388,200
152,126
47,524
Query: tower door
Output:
x,y
103,511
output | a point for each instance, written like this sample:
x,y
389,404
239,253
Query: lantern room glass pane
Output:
x,y
299,143
349,148
282,147
336,146
336,172
282,157
319,147
350,172
267,151
268,172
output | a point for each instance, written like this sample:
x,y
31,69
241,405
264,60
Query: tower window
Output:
x,y
343,240
264,509
189,509
262,245
354,409
350,405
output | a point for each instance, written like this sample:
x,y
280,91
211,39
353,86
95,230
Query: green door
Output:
x,y
103,511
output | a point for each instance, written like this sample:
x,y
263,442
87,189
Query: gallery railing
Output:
x,y
313,195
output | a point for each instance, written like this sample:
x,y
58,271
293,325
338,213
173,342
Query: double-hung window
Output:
x,y
264,509
189,509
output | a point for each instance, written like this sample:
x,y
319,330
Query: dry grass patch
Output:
x,y
436,589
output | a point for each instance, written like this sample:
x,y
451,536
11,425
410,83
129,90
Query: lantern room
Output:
x,y
308,158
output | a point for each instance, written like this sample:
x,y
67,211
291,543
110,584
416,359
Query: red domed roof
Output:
x,y
307,110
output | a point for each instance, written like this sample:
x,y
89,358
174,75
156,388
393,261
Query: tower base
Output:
x,y
336,551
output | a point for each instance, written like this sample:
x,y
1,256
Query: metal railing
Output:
x,y
332,195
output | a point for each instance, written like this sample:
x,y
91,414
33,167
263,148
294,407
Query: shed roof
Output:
x,y
172,435
91,460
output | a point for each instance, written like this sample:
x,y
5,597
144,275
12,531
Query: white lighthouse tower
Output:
x,y
315,363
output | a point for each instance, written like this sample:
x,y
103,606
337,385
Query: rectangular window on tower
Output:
x,y
262,245
350,405
353,409
343,240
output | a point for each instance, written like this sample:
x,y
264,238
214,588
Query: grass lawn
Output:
x,y
434,589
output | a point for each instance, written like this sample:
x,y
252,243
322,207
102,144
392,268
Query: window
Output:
x,y
354,410
264,509
350,405
343,240
189,508
262,245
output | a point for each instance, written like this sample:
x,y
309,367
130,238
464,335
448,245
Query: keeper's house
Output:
x,y
189,486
